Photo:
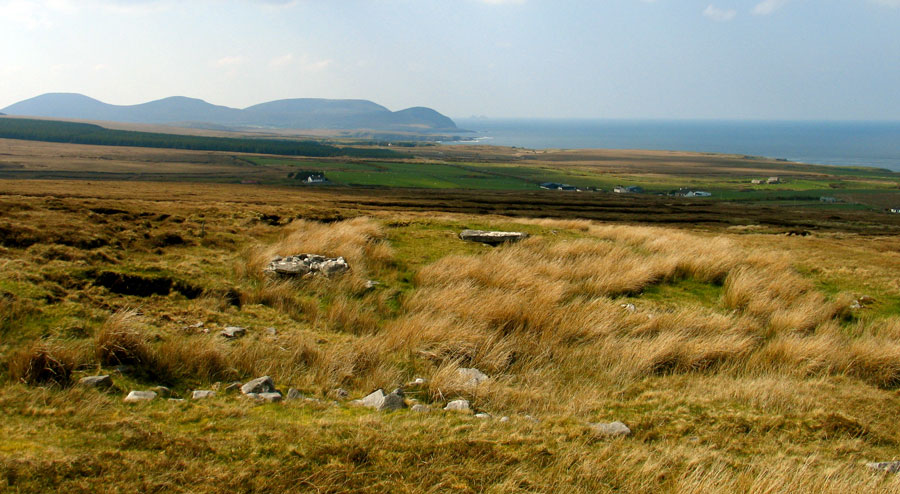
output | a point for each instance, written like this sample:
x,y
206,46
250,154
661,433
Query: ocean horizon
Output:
x,y
840,143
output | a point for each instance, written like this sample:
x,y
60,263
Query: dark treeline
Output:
x,y
81,133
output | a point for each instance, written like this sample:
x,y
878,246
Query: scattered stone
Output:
x,y
862,302
482,415
374,400
393,401
201,394
306,265
273,397
339,394
472,376
259,385
491,238
419,408
138,396
458,406
96,382
197,325
233,332
886,466
294,394
271,331
629,307
176,400
531,419
612,429
370,284
233,387
504,419
162,391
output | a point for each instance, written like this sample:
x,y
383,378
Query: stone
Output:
x,y
162,391
96,382
138,396
531,419
629,307
272,397
370,284
419,408
271,331
259,385
233,332
176,400
458,406
306,265
491,238
612,429
472,376
201,394
483,415
885,466
393,401
374,400
294,394
504,419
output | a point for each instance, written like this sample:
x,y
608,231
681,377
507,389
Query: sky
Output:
x,y
630,59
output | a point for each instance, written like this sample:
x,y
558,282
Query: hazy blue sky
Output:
x,y
785,59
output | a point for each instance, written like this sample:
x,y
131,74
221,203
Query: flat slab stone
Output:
x,y
259,385
374,400
419,408
138,396
472,376
201,394
491,237
96,382
306,265
273,397
612,429
885,466
233,332
458,406
393,401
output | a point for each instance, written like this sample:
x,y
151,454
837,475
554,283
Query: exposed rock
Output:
x,y
96,382
612,429
393,401
491,238
374,400
629,307
472,376
306,265
294,394
504,419
483,415
531,419
200,394
271,331
458,405
273,397
370,284
162,391
886,466
138,396
233,332
862,302
419,408
176,400
259,385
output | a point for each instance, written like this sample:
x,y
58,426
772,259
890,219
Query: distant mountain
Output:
x,y
301,113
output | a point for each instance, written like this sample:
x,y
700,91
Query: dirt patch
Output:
x,y
144,286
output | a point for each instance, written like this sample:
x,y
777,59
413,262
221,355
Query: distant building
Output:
x,y
828,200
895,210
756,181
697,193
556,186
631,189
773,180
315,178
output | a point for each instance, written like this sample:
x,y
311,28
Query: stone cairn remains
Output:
x,y
491,238
306,265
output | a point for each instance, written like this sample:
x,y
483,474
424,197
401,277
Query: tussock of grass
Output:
x,y
43,364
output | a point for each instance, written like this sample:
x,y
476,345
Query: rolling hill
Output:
x,y
299,113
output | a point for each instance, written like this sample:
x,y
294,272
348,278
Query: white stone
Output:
x,y
200,394
458,406
138,396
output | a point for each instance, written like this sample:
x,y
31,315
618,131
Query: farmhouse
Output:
x,y
697,193
773,180
631,189
556,186
828,200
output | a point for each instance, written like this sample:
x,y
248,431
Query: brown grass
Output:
x,y
43,364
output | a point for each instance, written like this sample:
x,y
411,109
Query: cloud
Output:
x,y
230,61
719,15
766,7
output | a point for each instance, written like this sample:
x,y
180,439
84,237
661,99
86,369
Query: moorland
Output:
x,y
749,341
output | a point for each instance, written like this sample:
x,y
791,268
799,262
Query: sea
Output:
x,y
870,144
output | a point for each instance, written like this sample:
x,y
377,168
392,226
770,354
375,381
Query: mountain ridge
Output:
x,y
293,113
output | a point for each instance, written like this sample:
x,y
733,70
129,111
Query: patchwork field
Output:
x,y
742,359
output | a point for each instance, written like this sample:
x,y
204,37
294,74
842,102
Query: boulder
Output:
x,y
419,408
233,387
102,382
504,419
472,376
393,401
483,415
233,332
294,394
306,265
200,394
138,396
272,397
458,406
491,238
259,385
612,429
885,466
374,400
